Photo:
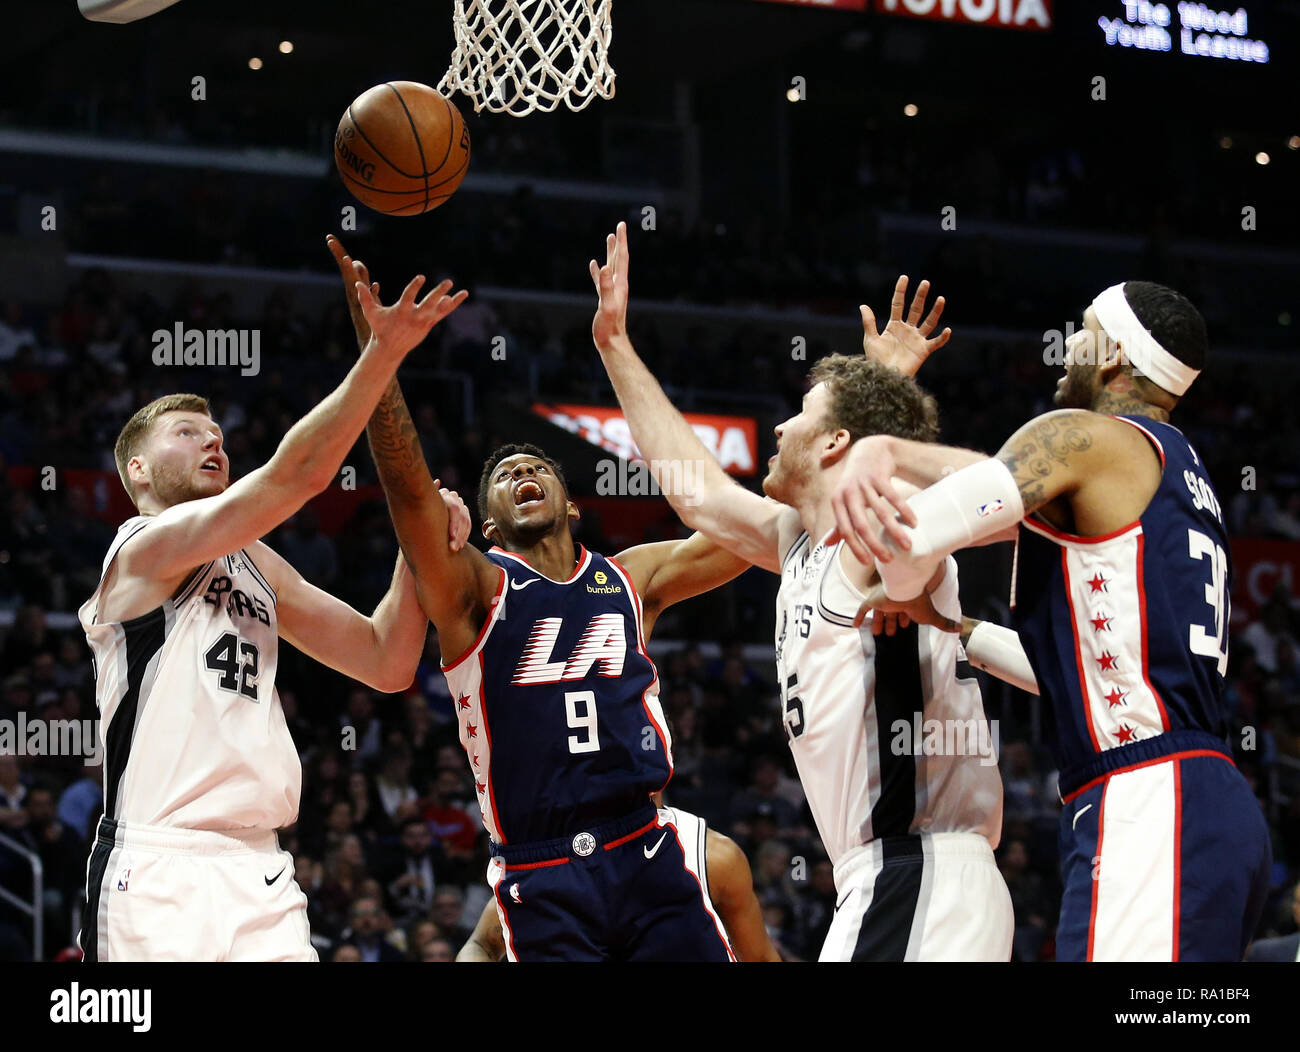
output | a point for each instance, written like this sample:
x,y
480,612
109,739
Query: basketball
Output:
x,y
401,148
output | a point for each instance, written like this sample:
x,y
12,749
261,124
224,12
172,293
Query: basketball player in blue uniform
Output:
x,y
543,646
1120,603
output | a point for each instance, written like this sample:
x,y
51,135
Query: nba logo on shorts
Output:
x,y
123,879
991,508
514,893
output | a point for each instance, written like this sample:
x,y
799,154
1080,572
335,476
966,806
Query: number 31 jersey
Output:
x,y
191,724
558,702
1127,632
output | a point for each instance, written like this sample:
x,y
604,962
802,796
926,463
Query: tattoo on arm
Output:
x,y
395,445
1042,452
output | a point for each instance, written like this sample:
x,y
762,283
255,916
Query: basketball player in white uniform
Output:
x,y
909,815
717,863
184,627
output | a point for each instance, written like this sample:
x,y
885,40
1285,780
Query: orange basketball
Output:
x,y
402,148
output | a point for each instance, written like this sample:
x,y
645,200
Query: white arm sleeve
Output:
x,y
998,651
976,502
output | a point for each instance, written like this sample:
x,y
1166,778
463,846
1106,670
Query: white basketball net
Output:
x,y
517,56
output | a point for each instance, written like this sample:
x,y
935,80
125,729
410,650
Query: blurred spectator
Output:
x,y
1272,628
13,794
437,951
364,932
1029,900
82,802
409,877
449,908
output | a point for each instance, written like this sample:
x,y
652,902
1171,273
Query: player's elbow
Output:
x,y
301,480
387,681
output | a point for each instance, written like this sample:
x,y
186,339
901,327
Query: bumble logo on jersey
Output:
x,y
602,587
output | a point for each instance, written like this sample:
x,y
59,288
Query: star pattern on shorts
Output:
x,y
1125,734
1101,623
1107,661
471,730
463,702
1115,697
474,760
1097,583
480,787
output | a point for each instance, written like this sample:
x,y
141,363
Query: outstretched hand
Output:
x,y
352,271
612,288
399,329
905,344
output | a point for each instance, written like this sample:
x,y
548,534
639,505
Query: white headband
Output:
x,y
1143,350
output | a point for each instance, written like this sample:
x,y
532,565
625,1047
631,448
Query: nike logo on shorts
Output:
x,y
1080,815
650,852
272,880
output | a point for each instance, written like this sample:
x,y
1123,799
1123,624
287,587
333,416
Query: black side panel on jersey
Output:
x,y
144,638
898,697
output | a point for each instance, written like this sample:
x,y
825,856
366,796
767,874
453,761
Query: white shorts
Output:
x,y
930,897
159,894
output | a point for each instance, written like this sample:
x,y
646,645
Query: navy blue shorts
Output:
x,y
1164,857
623,891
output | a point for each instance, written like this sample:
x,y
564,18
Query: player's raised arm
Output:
x,y
449,581
382,650
666,572
970,499
194,532
703,495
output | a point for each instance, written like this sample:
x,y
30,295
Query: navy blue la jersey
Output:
x,y
558,702
1127,633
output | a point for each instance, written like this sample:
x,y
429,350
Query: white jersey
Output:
x,y
887,739
193,733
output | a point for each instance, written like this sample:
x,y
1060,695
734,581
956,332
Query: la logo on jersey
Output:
x,y
602,646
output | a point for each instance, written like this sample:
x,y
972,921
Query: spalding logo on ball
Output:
x,y
401,148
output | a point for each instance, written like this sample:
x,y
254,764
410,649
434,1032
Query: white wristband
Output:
x,y
998,651
969,505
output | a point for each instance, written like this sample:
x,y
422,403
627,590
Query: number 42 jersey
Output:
x,y
558,702
1127,632
191,724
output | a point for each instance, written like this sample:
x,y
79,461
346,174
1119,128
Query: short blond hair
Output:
x,y
137,429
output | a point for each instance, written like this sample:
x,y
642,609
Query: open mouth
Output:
x,y
529,492
212,466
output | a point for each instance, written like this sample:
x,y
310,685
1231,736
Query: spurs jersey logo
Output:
x,y
237,602
603,645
